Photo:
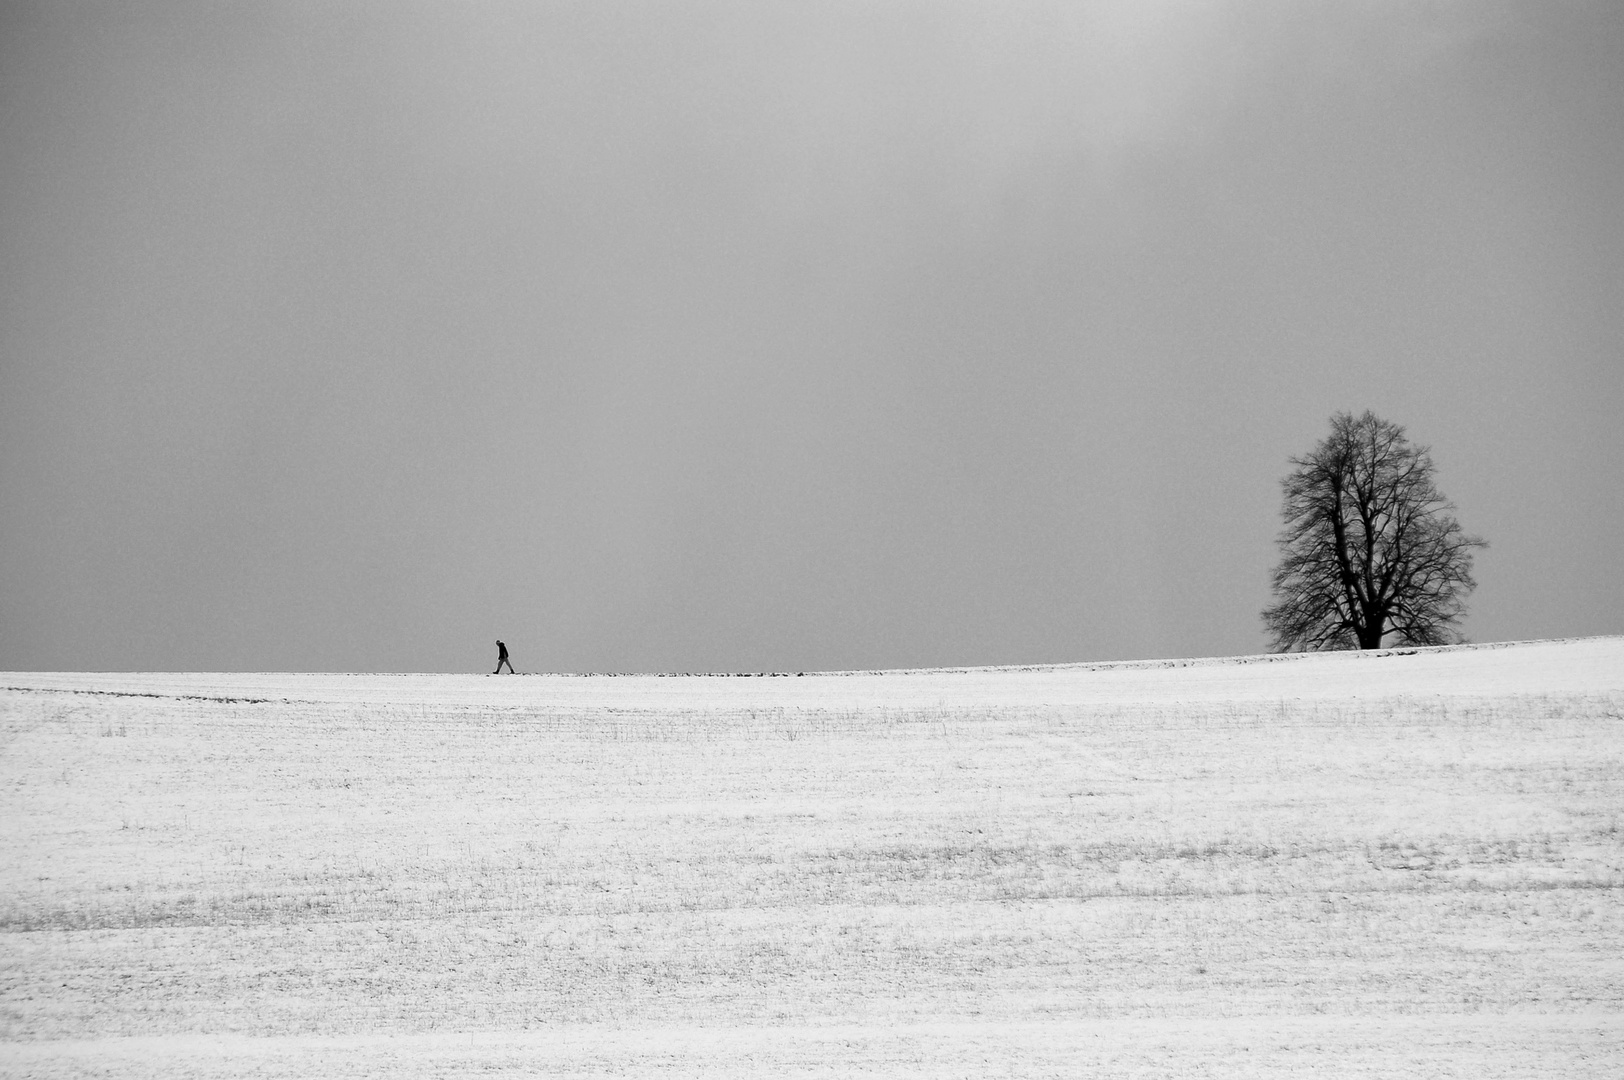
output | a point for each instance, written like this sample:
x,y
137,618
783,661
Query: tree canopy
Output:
x,y
1371,548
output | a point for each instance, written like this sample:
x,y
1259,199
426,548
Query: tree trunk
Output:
x,y
1370,634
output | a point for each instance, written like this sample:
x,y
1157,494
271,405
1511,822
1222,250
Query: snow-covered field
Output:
x,y
1400,864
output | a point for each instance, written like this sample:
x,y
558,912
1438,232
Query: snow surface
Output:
x,y
1582,665
1406,863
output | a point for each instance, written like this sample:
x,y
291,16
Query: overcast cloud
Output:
x,y
753,336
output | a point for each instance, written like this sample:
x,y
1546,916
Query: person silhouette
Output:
x,y
502,658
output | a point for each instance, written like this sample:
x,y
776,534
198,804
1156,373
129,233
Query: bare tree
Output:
x,y
1371,548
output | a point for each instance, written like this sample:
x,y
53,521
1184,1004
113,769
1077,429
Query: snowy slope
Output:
x,y
1407,863
1584,666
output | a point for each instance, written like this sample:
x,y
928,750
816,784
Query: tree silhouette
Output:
x,y
1371,547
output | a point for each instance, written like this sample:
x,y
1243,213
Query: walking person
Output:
x,y
502,658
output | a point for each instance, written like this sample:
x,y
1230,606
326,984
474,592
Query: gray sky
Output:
x,y
740,336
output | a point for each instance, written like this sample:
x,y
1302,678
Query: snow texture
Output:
x,y
1407,863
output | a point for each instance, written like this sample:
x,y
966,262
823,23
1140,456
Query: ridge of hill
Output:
x,y
1563,665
